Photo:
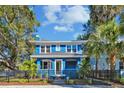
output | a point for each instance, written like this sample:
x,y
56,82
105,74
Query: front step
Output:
x,y
59,81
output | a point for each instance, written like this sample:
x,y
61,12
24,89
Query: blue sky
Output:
x,y
60,22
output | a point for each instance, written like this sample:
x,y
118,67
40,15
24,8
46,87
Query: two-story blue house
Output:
x,y
58,58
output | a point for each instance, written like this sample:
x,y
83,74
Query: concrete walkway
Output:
x,y
57,86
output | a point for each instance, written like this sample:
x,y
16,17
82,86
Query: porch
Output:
x,y
58,68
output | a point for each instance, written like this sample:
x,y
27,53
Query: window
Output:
x,y
48,49
46,65
68,48
71,64
74,48
42,49
121,65
57,48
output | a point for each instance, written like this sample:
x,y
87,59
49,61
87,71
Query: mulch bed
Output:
x,y
23,83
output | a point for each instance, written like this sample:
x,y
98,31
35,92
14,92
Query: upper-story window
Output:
x,y
48,49
74,48
42,49
69,48
57,48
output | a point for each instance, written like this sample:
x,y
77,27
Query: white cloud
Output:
x,y
50,13
63,28
60,28
75,14
65,16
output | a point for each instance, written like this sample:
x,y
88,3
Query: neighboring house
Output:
x,y
58,58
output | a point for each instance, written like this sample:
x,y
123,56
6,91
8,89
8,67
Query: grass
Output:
x,y
122,80
24,80
79,81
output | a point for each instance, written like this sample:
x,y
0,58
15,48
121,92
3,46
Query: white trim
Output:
x,y
66,48
58,56
76,48
57,47
40,50
55,65
50,48
56,42
71,49
45,48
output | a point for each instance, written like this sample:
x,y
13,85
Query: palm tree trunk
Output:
x,y
112,65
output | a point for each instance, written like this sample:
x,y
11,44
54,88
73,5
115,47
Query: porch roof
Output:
x,y
57,42
59,55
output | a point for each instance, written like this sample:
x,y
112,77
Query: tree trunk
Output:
x,y
112,65
96,67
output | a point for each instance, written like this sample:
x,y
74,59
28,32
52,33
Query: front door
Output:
x,y
58,67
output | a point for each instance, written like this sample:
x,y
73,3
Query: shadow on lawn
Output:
x,y
95,83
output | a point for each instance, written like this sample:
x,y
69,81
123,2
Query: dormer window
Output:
x,y
57,48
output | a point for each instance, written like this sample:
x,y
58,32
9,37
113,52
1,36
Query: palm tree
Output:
x,y
85,69
109,33
94,48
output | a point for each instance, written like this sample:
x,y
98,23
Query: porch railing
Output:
x,y
72,73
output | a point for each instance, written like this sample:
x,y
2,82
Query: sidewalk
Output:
x,y
56,86
113,85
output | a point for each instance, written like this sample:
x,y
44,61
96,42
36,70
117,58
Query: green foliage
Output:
x,y
101,14
122,80
16,26
46,75
85,69
23,80
30,66
71,82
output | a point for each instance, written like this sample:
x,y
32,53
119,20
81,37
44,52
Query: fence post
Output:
x,y
8,76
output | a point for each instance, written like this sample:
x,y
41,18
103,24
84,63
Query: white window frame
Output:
x,y
57,47
61,65
47,64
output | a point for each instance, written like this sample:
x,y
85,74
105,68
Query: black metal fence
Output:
x,y
101,74
8,75
106,74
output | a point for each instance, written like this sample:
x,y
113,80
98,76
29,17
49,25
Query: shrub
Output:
x,y
70,82
30,66
122,80
45,81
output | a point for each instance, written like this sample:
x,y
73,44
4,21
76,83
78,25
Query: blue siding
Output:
x,y
38,64
62,48
37,49
79,48
53,65
53,48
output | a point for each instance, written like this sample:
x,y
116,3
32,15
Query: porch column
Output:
x,y
63,66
